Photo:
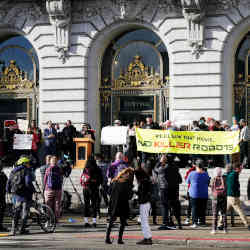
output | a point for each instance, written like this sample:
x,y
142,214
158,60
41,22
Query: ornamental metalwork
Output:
x,y
60,17
13,78
194,12
138,75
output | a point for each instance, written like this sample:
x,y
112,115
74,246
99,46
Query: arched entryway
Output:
x,y
19,84
134,78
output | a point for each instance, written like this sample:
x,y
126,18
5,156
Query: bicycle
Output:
x,y
42,215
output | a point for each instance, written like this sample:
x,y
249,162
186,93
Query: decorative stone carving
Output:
x,y
60,17
223,4
194,12
169,5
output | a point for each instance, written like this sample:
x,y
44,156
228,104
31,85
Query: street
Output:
x,y
74,236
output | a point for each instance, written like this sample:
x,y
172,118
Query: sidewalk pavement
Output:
x,y
71,231
237,236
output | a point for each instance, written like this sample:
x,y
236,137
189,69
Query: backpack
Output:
x,y
219,186
85,178
18,182
54,179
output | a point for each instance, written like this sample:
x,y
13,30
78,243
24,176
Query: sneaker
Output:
x,y
194,225
213,232
187,221
163,227
220,227
145,242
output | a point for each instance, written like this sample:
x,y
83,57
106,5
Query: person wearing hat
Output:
x,y
117,123
21,187
243,142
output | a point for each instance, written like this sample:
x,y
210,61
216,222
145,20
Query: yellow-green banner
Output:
x,y
187,142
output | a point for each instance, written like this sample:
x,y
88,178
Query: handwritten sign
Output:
x,y
22,141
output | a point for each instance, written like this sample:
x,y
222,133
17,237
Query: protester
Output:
x,y
21,187
121,193
173,179
243,143
189,207
235,126
219,199
50,139
3,182
68,133
53,181
160,171
144,198
198,191
233,192
43,168
104,185
90,180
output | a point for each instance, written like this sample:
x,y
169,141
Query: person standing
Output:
x,y
144,198
90,180
121,193
53,181
160,171
198,191
43,168
68,133
243,142
219,199
233,192
21,187
50,139
3,182
174,179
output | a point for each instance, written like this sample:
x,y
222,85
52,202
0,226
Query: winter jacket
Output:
x,y
233,184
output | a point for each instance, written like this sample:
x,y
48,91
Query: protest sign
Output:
x,y
23,124
114,135
22,141
187,142
8,123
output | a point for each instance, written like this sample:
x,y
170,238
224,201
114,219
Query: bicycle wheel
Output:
x,y
46,218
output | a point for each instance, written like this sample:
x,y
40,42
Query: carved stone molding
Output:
x,y
60,17
194,12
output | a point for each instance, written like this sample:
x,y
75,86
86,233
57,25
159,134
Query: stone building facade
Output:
x,y
205,41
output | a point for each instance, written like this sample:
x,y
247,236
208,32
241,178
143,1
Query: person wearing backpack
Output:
x,y
90,180
21,187
219,199
53,181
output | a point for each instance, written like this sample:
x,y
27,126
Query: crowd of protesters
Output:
x,y
157,179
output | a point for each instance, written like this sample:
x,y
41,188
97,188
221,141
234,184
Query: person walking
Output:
x,y
90,180
121,193
198,191
144,198
21,187
219,199
233,192
53,181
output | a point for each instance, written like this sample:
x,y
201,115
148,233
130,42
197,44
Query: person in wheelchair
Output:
x,y
21,187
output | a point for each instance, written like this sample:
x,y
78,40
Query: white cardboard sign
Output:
x,y
22,141
114,135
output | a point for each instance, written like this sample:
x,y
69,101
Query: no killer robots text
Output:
x,y
185,145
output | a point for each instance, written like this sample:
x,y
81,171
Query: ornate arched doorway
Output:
x,y
242,80
134,78
19,85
